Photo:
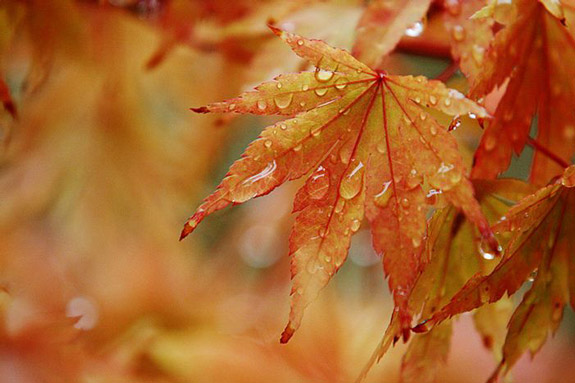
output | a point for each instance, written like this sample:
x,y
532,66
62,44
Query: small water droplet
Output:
x,y
300,42
316,131
490,142
279,85
232,106
297,148
268,144
341,83
345,154
381,146
382,198
323,75
352,182
322,232
320,91
433,130
433,100
305,87
569,132
355,225
261,105
478,53
432,196
318,184
417,99
453,7
454,124
458,33
282,101
422,116
532,276
447,101
416,242
339,206
283,126
415,29
327,258
472,116
405,202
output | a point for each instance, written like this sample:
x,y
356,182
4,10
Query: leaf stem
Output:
x,y
448,72
552,156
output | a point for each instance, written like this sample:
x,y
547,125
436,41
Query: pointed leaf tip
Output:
x,y
201,109
287,334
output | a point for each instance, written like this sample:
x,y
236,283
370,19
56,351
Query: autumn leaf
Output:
x,y
383,24
455,252
371,148
537,78
540,248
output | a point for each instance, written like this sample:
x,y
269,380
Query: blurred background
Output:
x,y
101,163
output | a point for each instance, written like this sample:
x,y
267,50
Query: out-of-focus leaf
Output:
x,y
525,61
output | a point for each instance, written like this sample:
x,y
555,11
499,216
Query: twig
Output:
x,y
552,156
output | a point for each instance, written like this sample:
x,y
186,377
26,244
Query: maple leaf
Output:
x,y
537,78
382,26
542,228
468,37
372,150
456,253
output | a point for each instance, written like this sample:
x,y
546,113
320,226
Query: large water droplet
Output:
x,y
266,172
282,101
323,76
415,29
318,185
381,199
352,182
320,91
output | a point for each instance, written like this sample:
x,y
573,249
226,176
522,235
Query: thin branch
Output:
x,y
552,156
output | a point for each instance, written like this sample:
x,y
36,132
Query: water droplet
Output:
x,y
266,172
477,53
279,85
433,130
484,293
490,142
433,100
381,146
415,29
569,132
320,91
447,101
422,116
341,83
297,148
345,154
282,101
417,99
453,7
458,33
382,198
316,131
443,168
472,116
352,182
339,206
305,87
318,184
322,232
283,126
268,144
355,225
323,75
416,242
232,106
261,105
300,42
432,196
454,124
532,276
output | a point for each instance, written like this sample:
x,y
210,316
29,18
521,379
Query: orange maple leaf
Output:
x,y
542,228
538,78
372,150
